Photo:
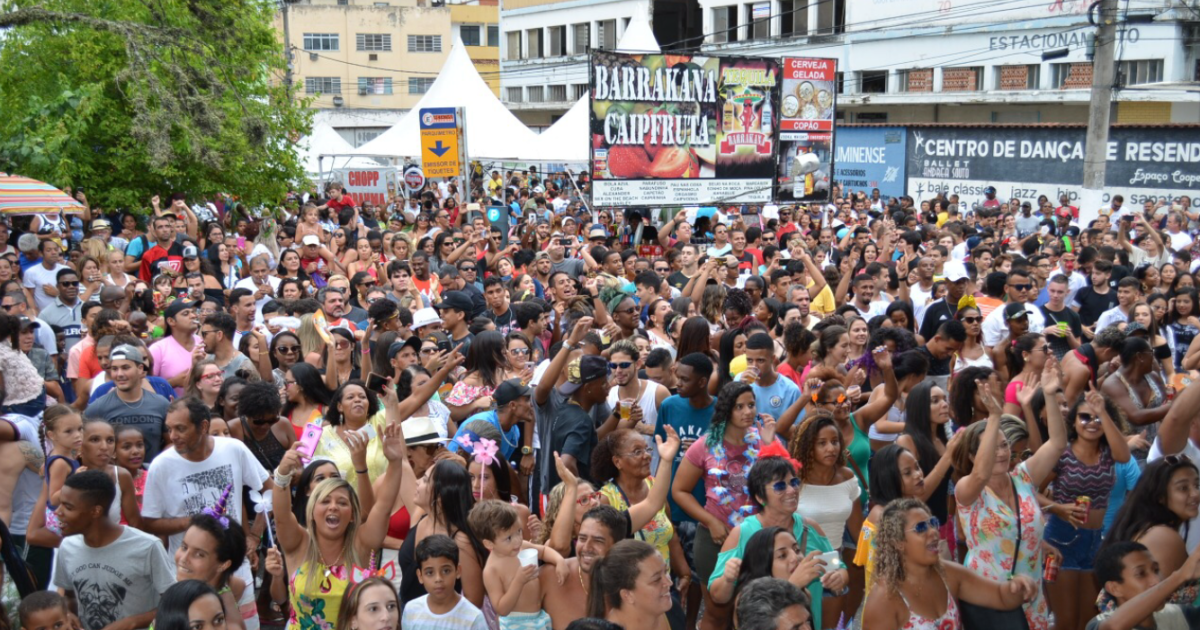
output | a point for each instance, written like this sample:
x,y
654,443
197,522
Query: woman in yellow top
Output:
x,y
623,458
895,474
337,537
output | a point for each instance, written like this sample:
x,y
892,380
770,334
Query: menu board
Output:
x,y
806,112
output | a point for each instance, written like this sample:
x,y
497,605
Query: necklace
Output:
x,y
579,572
329,567
137,405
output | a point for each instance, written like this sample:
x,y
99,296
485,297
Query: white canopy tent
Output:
x,y
493,133
327,142
569,138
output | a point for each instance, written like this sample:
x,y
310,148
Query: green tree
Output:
x,y
130,98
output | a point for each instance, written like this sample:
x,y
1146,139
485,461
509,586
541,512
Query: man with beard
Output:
x,y
643,397
129,404
427,285
113,575
602,527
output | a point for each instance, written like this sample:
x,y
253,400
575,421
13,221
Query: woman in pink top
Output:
x,y
1026,358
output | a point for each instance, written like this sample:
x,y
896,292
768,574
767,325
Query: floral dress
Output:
x,y
658,532
990,531
464,394
315,606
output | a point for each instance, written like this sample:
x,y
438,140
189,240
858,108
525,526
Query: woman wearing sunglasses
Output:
x,y
972,353
998,502
1086,468
305,395
341,358
774,489
915,588
926,414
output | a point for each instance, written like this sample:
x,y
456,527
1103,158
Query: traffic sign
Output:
x,y
441,138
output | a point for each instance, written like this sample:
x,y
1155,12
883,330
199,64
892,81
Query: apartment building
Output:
x,y
367,62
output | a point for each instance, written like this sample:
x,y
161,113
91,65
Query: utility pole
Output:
x,y
287,47
1099,112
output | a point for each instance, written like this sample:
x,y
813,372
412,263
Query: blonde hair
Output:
x,y
310,339
349,555
553,506
889,539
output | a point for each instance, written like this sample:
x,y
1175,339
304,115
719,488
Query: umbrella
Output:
x,y
21,195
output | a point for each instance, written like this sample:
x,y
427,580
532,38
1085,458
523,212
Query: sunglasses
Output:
x,y
924,526
69,283
288,349
661,269
428,350
342,345
972,320
1087,418
631,309
1021,287
623,365
840,400
215,376
518,350
780,486
1175,460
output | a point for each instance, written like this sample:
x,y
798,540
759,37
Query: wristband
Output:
x,y
360,472
282,480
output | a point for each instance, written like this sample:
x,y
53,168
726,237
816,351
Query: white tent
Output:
x,y
568,139
493,133
325,141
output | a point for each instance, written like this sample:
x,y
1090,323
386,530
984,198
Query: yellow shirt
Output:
x,y
865,556
823,303
332,447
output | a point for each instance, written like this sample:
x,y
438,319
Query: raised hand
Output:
x,y
666,449
1051,375
393,443
883,358
565,473
291,464
357,443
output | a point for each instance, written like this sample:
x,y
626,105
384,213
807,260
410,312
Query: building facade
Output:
x,y
366,62
899,61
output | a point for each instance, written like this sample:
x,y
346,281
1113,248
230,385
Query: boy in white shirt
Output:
x,y
443,608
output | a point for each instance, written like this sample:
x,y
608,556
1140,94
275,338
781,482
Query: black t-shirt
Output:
x,y
1092,304
1059,345
937,367
935,314
678,280
573,434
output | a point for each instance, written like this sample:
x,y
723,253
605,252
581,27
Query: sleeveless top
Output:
x,y
410,587
46,473
1076,478
860,451
949,619
114,510
830,506
51,222
268,452
1157,398
315,606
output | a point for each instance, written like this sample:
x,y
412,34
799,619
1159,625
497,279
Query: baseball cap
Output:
x,y
510,390
456,300
101,224
425,317
397,346
1063,212
174,308
955,271
542,255
310,239
27,323
126,352
582,371
191,252
1014,310
568,218
990,190
421,430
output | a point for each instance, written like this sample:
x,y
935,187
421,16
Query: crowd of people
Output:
x,y
870,413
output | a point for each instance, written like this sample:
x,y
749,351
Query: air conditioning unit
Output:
x,y
373,57
362,91
312,56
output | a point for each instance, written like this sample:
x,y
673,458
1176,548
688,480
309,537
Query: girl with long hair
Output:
x,y
895,474
414,377
371,604
190,605
1144,314
211,550
694,337
486,366
206,381
305,396
1183,323
915,588
1027,355
657,325
972,352
927,436
341,358
631,587
336,537
830,355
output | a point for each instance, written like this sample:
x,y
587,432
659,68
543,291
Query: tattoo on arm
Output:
x,y
34,457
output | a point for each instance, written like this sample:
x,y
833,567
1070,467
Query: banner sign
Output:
x,y
675,130
870,157
1144,164
367,184
809,98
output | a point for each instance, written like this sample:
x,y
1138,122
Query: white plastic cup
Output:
x,y
528,557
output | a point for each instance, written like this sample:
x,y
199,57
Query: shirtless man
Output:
x,y
1082,365
602,527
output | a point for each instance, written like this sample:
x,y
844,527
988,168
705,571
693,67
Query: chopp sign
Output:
x,y
367,184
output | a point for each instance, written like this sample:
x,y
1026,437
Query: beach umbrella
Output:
x,y
22,195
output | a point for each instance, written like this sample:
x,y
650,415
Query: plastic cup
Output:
x,y
626,408
528,557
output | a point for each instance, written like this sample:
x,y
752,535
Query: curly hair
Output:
x,y
711,303
553,506
804,441
889,540
726,399
739,301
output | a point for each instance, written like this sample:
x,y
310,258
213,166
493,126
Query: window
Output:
x,y
514,46
607,34
724,25
793,18
558,41
514,95
372,42
962,79
321,41
558,93
916,80
831,17
583,38
534,37
1140,72
1070,76
493,36
425,43
1017,77
760,20
578,91
322,85
536,94
470,34
418,86
872,81
374,85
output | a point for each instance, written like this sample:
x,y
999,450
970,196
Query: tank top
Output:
x,y
315,606
949,619
1076,479
46,474
269,452
1157,398
410,587
114,510
51,222
860,452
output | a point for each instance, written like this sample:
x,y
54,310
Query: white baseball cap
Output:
x,y
311,239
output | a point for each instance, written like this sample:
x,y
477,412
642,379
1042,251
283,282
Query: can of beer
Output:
x,y
1086,502
1050,571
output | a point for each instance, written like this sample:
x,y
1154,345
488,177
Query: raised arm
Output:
x,y
1174,430
290,534
550,376
564,521
643,511
877,408
968,489
374,527
1046,456
1116,439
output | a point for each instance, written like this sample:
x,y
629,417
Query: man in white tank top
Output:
x,y
642,398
